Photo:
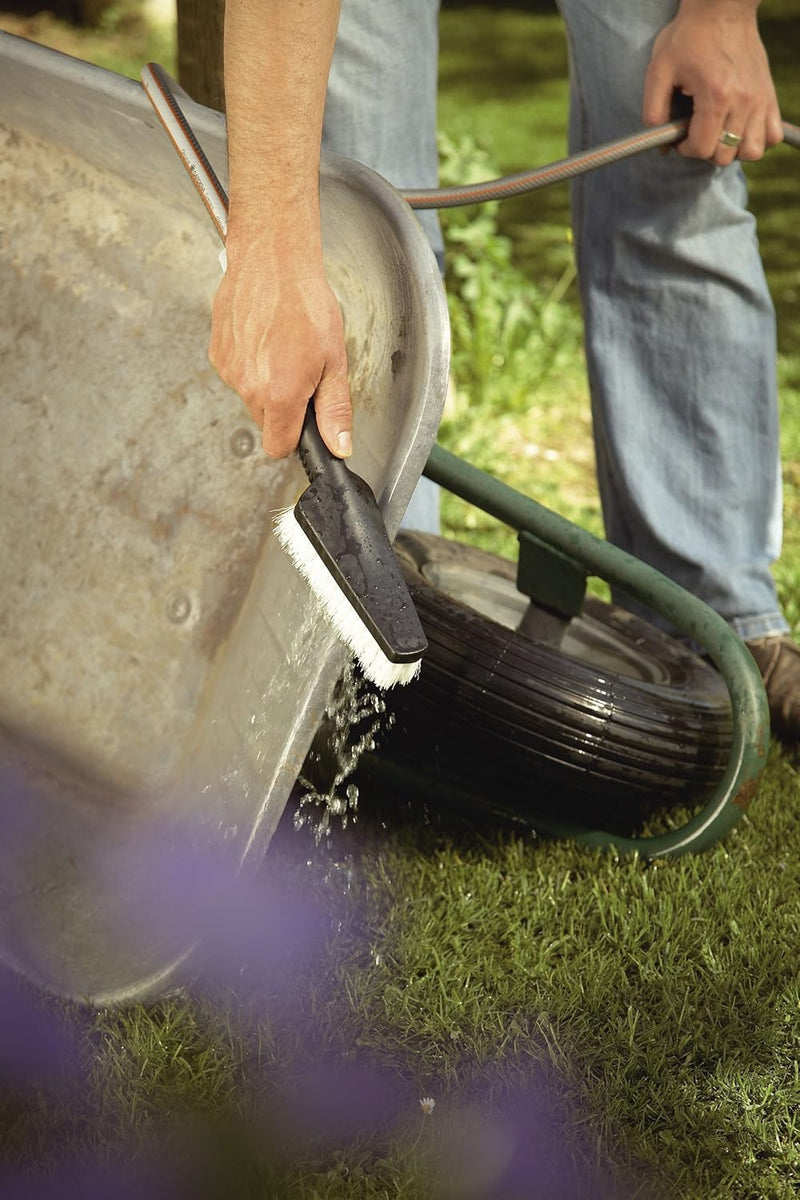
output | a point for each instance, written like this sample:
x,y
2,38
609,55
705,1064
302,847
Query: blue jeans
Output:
x,y
381,110
680,328
680,337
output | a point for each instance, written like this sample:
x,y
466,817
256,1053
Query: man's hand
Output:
x,y
276,327
277,338
712,51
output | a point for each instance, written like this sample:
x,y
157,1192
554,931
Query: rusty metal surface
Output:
x,y
160,655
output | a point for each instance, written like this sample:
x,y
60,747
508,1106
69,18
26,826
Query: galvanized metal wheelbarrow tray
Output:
x,y
163,672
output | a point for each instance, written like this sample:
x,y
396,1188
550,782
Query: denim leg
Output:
x,y
381,110
680,337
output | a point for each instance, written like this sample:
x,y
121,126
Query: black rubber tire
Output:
x,y
523,726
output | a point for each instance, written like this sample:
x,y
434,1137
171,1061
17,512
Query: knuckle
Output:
x,y
284,404
243,389
719,97
337,410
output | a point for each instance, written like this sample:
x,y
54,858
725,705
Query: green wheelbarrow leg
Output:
x,y
688,614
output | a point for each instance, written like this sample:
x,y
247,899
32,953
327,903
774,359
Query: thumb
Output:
x,y
334,412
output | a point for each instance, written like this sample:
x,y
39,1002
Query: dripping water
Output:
x,y
355,718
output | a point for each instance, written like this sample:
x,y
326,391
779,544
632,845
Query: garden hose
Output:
x,y
161,90
564,168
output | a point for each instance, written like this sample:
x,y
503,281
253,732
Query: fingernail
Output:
x,y
344,444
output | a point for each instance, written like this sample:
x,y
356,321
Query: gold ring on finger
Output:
x,y
729,139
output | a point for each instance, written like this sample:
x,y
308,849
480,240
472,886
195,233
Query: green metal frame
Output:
x,y
578,553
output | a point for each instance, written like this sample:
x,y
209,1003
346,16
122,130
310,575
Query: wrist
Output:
x,y
262,210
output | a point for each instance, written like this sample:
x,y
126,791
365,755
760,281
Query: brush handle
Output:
x,y
314,455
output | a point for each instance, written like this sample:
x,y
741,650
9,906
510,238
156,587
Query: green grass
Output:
x,y
628,1024
601,1028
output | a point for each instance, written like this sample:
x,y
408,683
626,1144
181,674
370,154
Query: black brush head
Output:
x,y
339,514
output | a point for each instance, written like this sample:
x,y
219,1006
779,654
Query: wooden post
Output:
x,y
200,72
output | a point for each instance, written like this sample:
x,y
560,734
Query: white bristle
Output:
x,y
341,615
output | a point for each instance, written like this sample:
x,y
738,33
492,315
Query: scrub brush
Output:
x,y
336,537
335,533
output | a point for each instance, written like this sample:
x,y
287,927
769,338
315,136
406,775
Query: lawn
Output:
x,y
587,1026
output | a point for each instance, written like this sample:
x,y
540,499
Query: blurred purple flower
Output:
x,y
334,1102
517,1148
37,1046
189,893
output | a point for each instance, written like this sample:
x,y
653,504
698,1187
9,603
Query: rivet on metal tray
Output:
x,y
178,607
243,442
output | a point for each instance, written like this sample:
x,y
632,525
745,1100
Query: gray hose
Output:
x,y
565,168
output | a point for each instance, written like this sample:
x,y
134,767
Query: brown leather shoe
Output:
x,y
778,660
